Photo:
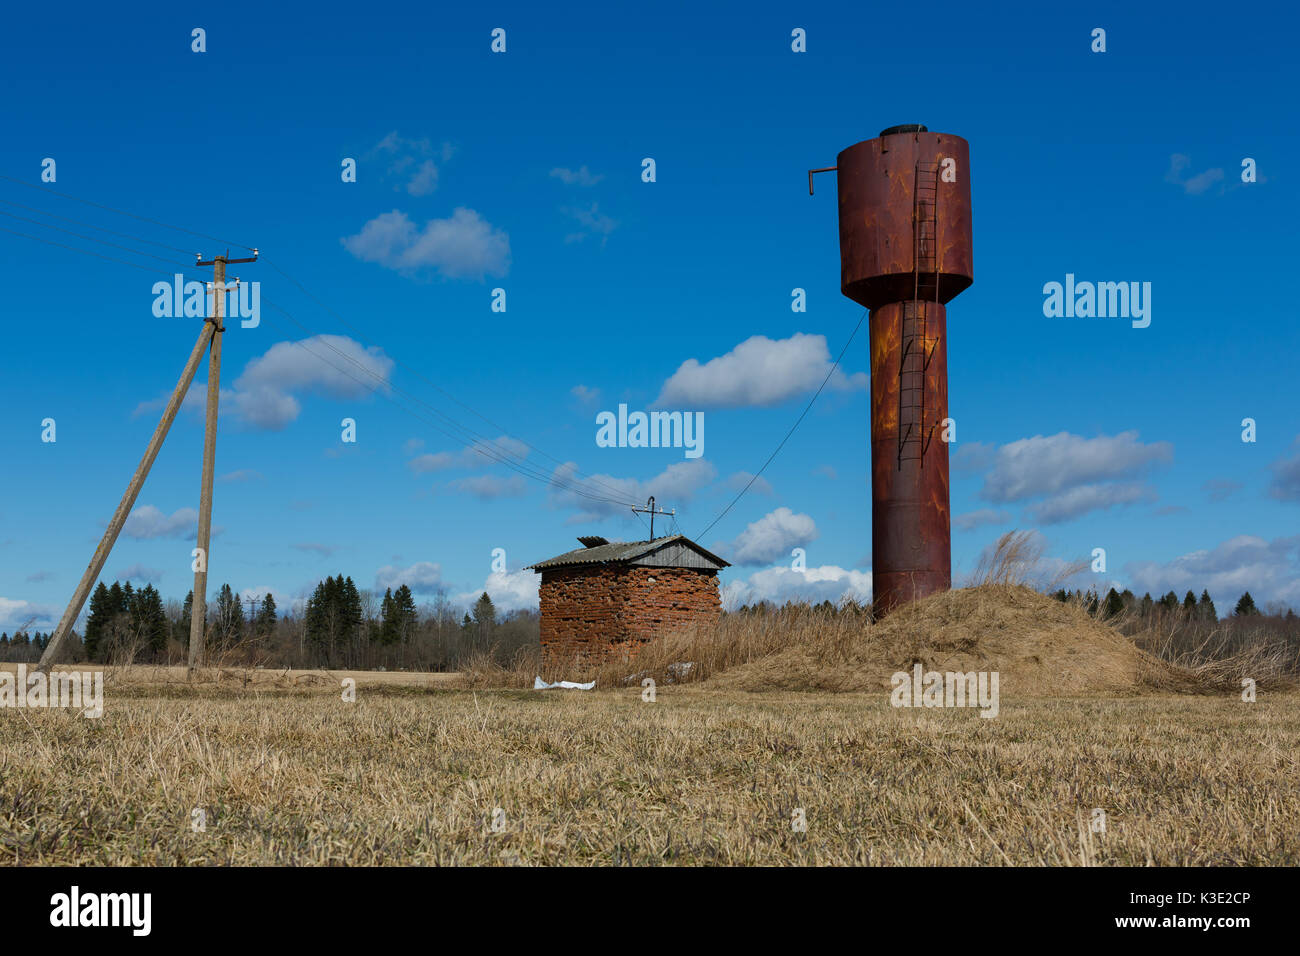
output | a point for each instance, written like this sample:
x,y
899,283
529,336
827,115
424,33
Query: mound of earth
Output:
x,y
1039,646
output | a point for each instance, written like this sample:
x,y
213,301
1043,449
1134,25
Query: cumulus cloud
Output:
x,y
150,521
423,577
980,517
814,585
331,365
1085,498
773,536
1047,465
1221,489
757,372
677,483
138,572
1285,485
490,487
16,614
581,176
509,590
1268,569
477,455
463,246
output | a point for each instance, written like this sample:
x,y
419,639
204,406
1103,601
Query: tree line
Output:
x,y
340,626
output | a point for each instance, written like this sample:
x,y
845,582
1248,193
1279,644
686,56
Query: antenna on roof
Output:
x,y
650,510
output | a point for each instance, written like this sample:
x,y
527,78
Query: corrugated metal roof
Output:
x,y
623,552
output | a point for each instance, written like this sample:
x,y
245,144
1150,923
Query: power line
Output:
x,y
122,212
760,471
120,235
102,242
474,440
418,374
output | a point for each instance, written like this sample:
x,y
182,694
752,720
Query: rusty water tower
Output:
x,y
905,251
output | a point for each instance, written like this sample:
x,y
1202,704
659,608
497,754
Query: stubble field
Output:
x,y
231,774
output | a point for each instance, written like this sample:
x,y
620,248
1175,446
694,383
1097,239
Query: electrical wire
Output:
x,y
798,420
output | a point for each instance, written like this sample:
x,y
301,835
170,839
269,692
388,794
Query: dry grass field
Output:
x,y
784,718
296,776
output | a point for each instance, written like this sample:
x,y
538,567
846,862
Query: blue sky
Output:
x,y
522,170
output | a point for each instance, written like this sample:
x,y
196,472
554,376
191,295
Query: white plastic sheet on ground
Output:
x,y
539,684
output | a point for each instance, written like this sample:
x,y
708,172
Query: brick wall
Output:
x,y
591,615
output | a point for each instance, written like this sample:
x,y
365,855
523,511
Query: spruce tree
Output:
x,y
1205,609
1189,604
101,613
1245,606
1114,603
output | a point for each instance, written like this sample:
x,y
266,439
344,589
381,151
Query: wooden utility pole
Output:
x,y
209,334
199,609
650,510
58,643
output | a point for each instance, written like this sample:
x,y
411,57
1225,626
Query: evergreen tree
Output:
x,y
406,615
1189,604
1146,605
150,620
1169,602
228,619
485,613
388,618
1246,606
97,622
264,626
1205,610
187,614
1114,603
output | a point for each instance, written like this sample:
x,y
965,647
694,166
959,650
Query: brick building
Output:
x,y
605,601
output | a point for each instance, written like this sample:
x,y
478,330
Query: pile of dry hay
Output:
x,y
1039,646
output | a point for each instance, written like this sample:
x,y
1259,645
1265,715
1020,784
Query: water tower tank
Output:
x,y
905,251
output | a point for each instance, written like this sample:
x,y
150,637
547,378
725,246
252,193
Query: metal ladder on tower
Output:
x,y
914,432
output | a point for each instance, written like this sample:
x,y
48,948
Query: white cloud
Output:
x,y
331,365
16,614
149,521
1042,465
423,577
138,572
581,176
464,246
477,455
814,585
757,372
509,590
773,536
674,485
1085,498
490,487
1269,570
982,516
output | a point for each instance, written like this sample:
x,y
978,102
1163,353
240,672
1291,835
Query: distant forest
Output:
x,y
340,627
343,627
